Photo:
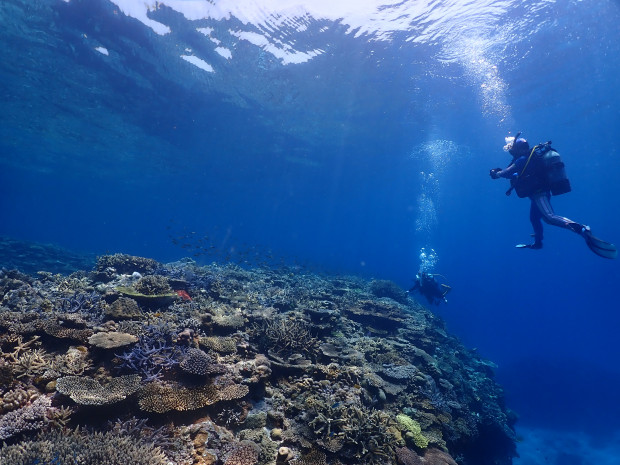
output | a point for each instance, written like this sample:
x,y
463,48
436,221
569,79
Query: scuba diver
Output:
x,y
427,285
538,173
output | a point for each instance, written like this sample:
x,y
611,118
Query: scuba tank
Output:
x,y
555,172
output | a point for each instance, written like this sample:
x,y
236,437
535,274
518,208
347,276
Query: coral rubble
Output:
x,y
220,365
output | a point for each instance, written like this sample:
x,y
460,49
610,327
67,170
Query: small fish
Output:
x,y
183,294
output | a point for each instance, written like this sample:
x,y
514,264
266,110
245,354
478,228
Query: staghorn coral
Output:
x,y
288,336
154,354
87,391
161,398
349,429
80,447
31,363
80,302
74,362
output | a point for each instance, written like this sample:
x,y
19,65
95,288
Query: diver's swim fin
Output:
x,y
599,246
533,246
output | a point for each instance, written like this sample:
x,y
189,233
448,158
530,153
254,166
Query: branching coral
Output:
x,y
84,448
153,285
74,362
154,354
26,360
352,430
287,336
30,417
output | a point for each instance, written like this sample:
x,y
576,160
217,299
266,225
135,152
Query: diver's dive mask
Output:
x,y
510,140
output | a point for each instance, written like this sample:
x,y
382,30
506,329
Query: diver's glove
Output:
x,y
494,173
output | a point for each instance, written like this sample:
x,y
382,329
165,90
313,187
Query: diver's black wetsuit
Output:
x,y
427,285
540,208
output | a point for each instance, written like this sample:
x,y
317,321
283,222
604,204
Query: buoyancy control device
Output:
x,y
546,173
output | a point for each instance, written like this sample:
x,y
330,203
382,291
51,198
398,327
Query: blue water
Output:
x,y
345,138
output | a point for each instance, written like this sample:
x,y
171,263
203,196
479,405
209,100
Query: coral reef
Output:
x,y
87,391
111,340
83,448
31,417
197,362
160,398
257,366
127,264
383,288
124,308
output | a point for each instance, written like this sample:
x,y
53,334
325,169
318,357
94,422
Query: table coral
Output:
x,y
161,398
111,340
87,391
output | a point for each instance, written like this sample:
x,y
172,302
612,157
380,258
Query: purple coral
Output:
x,y
31,417
154,353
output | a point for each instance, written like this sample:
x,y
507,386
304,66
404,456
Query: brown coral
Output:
x,y
124,263
111,340
17,398
153,285
314,457
124,308
224,345
87,391
432,456
245,454
161,398
197,362
82,447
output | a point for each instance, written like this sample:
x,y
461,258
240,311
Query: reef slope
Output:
x,y
139,362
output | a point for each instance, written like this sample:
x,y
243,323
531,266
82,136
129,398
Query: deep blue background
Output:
x,y
320,164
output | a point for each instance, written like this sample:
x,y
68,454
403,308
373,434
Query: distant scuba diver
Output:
x,y
538,173
427,285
